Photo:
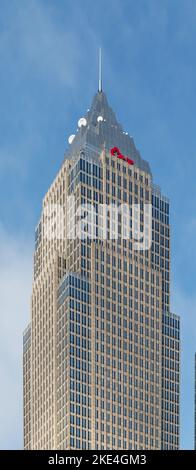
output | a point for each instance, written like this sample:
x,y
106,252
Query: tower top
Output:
x,y
100,71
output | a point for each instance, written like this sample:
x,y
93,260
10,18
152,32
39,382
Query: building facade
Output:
x,y
101,354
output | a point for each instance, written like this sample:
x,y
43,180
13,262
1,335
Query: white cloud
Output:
x,y
36,44
15,287
184,304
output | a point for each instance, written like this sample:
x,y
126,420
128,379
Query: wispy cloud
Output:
x,y
184,304
15,284
37,45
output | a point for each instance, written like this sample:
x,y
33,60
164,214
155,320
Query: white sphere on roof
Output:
x,y
71,138
100,119
82,122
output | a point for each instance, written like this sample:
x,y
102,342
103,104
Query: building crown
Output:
x,y
100,129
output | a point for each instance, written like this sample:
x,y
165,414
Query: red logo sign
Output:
x,y
115,152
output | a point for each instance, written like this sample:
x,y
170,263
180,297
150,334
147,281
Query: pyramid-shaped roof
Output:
x,y
102,130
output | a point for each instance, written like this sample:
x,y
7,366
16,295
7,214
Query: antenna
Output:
x,y
100,71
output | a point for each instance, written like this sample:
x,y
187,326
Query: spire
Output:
x,y
99,128
100,71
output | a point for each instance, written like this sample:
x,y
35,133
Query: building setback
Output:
x,y
101,353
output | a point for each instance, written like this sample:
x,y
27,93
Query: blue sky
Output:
x,y
48,76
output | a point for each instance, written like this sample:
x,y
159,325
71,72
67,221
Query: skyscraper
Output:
x,y
101,353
